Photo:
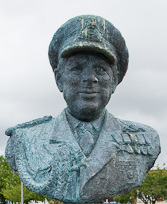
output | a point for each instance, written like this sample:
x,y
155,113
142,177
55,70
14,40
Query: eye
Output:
x,y
100,70
76,70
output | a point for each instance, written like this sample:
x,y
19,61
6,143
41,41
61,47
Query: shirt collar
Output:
x,y
74,123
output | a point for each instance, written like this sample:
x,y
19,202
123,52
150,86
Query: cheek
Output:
x,y
70,87
70,80
105,83
106,89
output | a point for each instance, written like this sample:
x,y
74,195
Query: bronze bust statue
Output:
x,y
85,154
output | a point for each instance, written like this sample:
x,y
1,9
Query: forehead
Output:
x,y
86,57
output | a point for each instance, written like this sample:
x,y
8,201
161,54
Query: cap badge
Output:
x,y
91,32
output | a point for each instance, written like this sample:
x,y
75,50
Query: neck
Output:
x,y
87,117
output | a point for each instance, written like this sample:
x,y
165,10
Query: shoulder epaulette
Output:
x,y
32,123
132,127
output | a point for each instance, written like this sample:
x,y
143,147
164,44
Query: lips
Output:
x,y
89,92
89,95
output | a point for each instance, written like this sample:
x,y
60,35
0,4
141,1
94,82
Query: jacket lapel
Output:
x,y
62,133
103,152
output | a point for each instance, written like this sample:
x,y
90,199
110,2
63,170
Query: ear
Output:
x,y
114,80
59,81
114,85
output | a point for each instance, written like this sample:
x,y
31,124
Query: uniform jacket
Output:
x,y
50,161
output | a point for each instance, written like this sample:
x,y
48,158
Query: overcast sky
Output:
x,y
27,87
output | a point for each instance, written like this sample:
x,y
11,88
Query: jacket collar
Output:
x,y
74,123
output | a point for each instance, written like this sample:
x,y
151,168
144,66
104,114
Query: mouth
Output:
x,y
89,95
88,92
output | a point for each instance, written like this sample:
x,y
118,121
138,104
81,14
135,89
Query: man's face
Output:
x,y
87,84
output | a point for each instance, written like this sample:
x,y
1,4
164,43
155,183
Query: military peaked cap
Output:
x,y
90,33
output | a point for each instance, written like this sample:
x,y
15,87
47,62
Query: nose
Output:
x,y
89,76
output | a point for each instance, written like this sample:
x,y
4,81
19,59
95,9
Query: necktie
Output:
x,y
86,138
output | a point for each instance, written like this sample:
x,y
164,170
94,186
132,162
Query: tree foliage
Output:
x,y
126,197
4,174
10,185
153,188
12,191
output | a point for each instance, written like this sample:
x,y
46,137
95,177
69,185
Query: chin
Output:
x,y
88,113
86,110
89,107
